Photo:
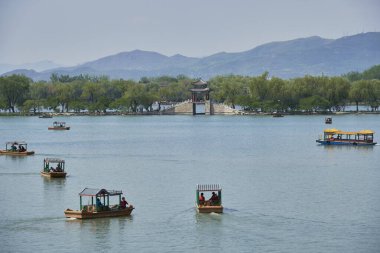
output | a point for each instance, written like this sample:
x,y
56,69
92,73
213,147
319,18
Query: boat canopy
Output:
x,y
331,130
208,187
59,123
366,132
337,131
16,142
54,160
99,192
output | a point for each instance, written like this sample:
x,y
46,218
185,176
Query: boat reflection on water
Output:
x,y
16,158
361,149
54,181
208,218
102,228
96,226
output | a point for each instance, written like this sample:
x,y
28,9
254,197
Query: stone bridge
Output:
x,y
186,108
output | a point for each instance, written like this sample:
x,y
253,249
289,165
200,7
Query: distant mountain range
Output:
x,y
37,66
286,59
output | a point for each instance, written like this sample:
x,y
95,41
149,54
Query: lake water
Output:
x,y
281,191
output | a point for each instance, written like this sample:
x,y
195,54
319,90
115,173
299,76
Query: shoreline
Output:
x,y
241,113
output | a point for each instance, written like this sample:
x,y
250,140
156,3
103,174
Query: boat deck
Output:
x,y
53,174
101,214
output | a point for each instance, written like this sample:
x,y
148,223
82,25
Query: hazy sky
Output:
x,y
75,31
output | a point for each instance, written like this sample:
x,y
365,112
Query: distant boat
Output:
x,y
16,148
99,206
214,204
45,116
59,126
328,120
337,137
277,115
57,171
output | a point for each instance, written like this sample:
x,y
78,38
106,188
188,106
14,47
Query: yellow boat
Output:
x,y
337,137
54,172
214,204
101,208
16,148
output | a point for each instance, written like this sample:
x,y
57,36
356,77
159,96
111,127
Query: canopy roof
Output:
x,y
366,132
59,122
99,192
16,142
337,131
208,187
54,160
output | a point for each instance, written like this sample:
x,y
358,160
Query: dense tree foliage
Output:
x,y
261,93
13,91
369,74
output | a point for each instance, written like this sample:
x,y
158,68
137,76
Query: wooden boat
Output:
x,y
45,116
277,115
213,205
328,120
50,171
101,208
16,148
337,137
59,126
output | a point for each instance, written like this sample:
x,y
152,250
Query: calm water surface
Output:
x,y
281,191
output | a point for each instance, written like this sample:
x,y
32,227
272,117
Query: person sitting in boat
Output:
x,y
202,199
98,203
214,199
52,169
58,168
123,203
21,148
13,147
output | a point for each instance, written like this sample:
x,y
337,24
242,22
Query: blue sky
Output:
x,y
71,32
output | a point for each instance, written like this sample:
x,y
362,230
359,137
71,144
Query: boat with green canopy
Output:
x,y
98,205
214,203
16,148
57,171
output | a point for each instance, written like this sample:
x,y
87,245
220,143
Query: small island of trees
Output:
x,y
63,93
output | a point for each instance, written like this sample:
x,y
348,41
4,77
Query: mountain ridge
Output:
x,y
285,59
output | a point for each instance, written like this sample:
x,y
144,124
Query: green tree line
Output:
x,y
261,93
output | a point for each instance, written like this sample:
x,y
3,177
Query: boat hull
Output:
x,y
16,153
93,215
352,143
209,209
53,174
58,128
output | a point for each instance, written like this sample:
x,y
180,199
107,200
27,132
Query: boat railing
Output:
x,y
89,208
210,203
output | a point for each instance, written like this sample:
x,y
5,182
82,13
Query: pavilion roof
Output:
x,y
199,82
200,89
